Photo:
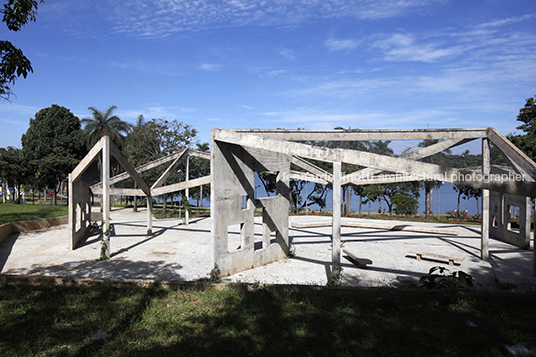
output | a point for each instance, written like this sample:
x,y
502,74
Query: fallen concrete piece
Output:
x,y
451,259
361,262
389,227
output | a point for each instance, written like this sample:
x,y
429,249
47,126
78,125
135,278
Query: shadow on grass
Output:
x,y
65,321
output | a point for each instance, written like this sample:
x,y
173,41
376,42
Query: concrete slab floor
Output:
x,y
184,253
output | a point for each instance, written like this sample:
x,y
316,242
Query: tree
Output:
x,y
14,170
157,138
527,141
430,185
466,192
105,123
53,146
16,14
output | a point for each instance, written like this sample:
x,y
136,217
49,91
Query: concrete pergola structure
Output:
x,y
80,193
238,154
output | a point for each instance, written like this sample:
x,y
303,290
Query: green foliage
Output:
x,y
335,278
404,204
439,278
527,115
52,146
13,169
105,122
13,64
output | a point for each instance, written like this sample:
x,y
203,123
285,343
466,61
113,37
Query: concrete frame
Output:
x,y
238,153
79,193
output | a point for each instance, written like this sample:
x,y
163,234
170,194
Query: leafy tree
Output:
x,y
467,192
157,138
14,170
404,204
16,14
105,123
53,146
527,141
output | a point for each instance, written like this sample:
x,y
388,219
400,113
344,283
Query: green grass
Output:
x,y
64,321
10,212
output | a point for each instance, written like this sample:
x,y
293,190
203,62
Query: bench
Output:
x,y
361,262
451,259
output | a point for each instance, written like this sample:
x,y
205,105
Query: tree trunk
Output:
x,y
477,209
343,213
164,204
201,195
360,204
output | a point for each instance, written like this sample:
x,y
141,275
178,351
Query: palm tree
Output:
x,y
105,123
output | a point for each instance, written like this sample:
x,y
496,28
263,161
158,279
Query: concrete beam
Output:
x,y
385,163
129,169
87,160
512,152
307,166
163,178
361,135
181,185
357,176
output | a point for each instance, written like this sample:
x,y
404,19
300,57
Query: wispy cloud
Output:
x,y
338,45
507,21
163,18
209,66
288,54
404,47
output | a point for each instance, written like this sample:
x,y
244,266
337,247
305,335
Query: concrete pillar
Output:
x,y
336,217
187,191
149,215
106,191
72,216
486,169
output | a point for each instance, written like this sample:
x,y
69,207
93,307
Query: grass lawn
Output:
x,y
112,321
10,212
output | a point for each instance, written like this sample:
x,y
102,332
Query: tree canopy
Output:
x,y
13,63
527,141
53,145
105,122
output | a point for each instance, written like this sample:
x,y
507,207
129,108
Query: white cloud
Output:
x,y
209,66
403,47
246,106
507,21
288,54
337,45
163,18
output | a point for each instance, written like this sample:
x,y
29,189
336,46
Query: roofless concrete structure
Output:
x,y
238,154
81,187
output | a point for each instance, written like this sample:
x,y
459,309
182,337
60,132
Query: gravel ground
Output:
x,y
185,253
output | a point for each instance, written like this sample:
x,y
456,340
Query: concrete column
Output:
x,y
72,215
106,191
336,217
187,191
484,244
149,215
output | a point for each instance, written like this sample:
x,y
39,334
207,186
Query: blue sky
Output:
x,y
313,64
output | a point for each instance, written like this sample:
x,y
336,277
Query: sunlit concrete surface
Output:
x,y
185,253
